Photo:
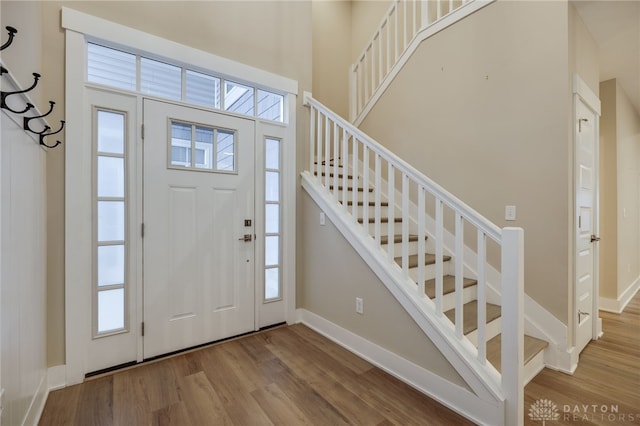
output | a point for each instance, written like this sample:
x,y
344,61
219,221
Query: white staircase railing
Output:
x,y
346,163
403,27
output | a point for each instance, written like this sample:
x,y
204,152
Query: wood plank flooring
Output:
x,y
294,376
284,376
607,377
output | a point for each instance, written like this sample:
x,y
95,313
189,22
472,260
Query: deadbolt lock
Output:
x,y
247,222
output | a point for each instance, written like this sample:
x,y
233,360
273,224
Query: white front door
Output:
x,y
586,210
198,192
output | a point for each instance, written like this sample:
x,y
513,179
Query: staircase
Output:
x,y
435,254
533,347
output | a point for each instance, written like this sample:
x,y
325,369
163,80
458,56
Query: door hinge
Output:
x,y
142,230
142,329
142,131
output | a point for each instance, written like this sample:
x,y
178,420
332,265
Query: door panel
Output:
x,y
585,208
198,270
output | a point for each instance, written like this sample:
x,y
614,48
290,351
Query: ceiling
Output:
x,y
615,26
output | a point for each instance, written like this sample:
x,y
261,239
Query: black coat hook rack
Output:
x,y
12,33
26,121
4,105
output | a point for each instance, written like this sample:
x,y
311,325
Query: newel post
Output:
x,y
513,324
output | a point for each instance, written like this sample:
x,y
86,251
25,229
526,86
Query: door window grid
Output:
x,y
171,81
203,148
273,222
110,237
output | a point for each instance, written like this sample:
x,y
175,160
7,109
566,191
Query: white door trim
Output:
x,y
582,92
78,172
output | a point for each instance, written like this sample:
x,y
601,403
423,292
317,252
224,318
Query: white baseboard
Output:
x,y
448,394
57,377
617,305
54,378
563,360
37,403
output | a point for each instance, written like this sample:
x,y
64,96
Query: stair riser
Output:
x,y
468,294
397,247
384,210
492,330
360,195
533,367
331,175
429,270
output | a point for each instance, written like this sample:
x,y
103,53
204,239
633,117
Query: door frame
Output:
x,y
80,28
582,93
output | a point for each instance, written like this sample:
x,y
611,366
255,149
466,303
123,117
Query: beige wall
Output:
x,y
583,51
485,114
608,192
271,35
619,193
628,150
334,275
331,55
366,15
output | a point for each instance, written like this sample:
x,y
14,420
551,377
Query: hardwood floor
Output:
x,y
294,376
285,376
605,388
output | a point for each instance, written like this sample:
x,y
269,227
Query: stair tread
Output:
x,y
429,259
382,220
398,238
340,188
470,315
532,347
371,203
448,285
330,164
340,175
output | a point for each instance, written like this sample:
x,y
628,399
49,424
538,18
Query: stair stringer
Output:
x,y
484,380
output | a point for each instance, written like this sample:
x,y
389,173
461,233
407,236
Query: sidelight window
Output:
x,y
110,228
273,221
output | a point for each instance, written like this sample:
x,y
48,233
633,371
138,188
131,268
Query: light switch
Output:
x,y
322,219
509,212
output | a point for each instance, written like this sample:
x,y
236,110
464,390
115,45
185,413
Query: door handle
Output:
x,y
246,238
580,314
594,238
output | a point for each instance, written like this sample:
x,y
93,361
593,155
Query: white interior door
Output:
x,y
198,192
586,210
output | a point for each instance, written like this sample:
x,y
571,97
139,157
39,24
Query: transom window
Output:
x,y
128,71
195,146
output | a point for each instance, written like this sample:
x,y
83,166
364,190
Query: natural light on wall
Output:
x,y
110,233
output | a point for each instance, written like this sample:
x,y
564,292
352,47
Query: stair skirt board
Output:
x,y
449,394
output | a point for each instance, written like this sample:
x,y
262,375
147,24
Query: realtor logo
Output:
x,y
543,410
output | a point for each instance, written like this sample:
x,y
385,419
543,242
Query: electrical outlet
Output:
x,y
1,401
509,212
359,305
323,219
